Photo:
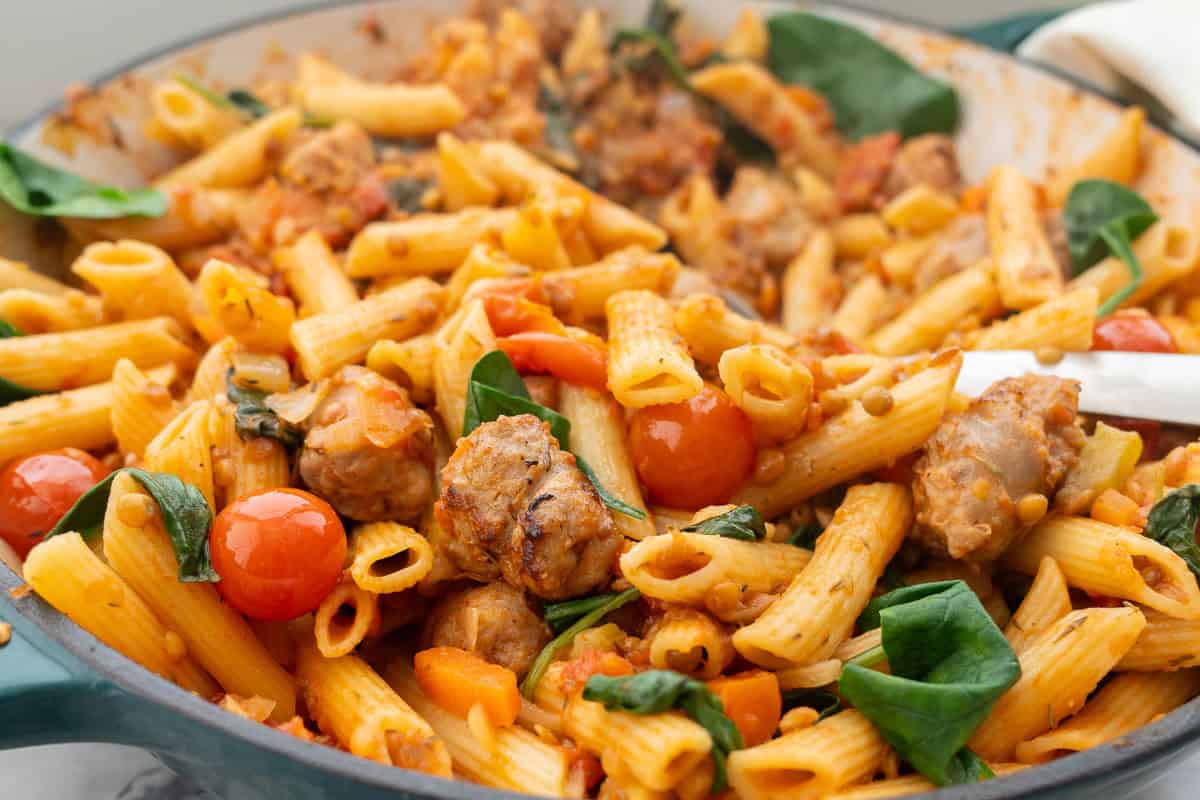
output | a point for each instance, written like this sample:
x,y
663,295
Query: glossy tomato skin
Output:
x,y
695,453
278,552
37,490
1133,333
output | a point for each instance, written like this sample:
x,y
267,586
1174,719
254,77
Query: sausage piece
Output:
x,y
929,159
368,451
1018,438
515,507
494,621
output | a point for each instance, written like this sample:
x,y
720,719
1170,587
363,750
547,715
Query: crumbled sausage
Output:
x,y
494,621
929,159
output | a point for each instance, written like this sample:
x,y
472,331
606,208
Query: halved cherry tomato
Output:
x,y
509,314
278,552
695,453
572,360
1133,333
37,490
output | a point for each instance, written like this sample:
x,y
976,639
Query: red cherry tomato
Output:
x,y
695,453
37,490
572,360
1133,333
278,552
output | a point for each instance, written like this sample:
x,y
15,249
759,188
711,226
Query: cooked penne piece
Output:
x,y
811,288
1118,157
690,642
1064,322
240,159
15,275
461,177
184,448
817,611
352,703
919,210
856,442
314,275
31,311
141,408
424,244
344,619
1166,644
136,280
934,314
760,102
395,110
189,117
598,436
580,294
137,548
908,784
710,328
1047,601
55,361
461,342
1166,252
1111,561
837,752
387,557
1059,669
409,363
513,759
1027,272
324,342
861,310
647,364
244,466
773,389
686,567
73,579
1122,705
748,39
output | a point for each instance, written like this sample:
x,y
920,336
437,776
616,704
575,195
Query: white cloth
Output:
x,y
1152,44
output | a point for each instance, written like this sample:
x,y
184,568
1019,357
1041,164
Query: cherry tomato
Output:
x,y
572,360
695,453
278,552
1133,333
509,314
37,490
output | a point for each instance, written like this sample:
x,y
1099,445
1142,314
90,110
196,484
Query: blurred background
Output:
x,y
50,43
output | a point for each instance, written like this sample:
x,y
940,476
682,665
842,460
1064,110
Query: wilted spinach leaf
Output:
x,y
806,535
406,193
252,418
743,522
598,612
33,187
1102,218
824,701
1172,523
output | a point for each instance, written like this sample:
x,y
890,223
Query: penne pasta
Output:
x,y
647,365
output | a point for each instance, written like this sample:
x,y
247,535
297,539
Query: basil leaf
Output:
x,y
599,612
252,418
743,522
806,535
33,187
406,193
1172,522
949,664
823,700
658,690
12,392
1104,218
870,88
559,615
496,390
185,513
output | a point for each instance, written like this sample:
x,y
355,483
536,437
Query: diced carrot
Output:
x,y
1114,508
593,662
753,702
456,680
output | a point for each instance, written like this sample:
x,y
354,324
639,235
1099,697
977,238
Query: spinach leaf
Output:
x,y
823,700
656,46
245,103
252,418
663,16
558,124
406,193
1102,218
248,104
559,615
743,522
949,665
36,188
599,612
495,390
185,514
870,88
1172,522
12,392
658,690
806,535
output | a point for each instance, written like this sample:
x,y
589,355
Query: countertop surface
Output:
x,y
62,39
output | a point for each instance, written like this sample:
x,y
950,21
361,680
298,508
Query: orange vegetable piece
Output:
x,y
753,702
974,199
456,680
593,662
510,313
572,360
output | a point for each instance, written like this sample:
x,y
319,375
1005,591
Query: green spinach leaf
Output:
x,y
12,392
495,390
406,193
252,418
806,535
247,104
870,88
588,620
743,522
663,16
1172,522
558,125
949,664
185,514
658,690
8,330
36,188
1102,218
823,700
560,615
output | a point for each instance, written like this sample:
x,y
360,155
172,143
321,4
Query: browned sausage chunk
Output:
x,y
494,622
368,451
1019,438
515,506
928,159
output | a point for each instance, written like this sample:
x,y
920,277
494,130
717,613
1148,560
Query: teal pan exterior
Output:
x,y
59,684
